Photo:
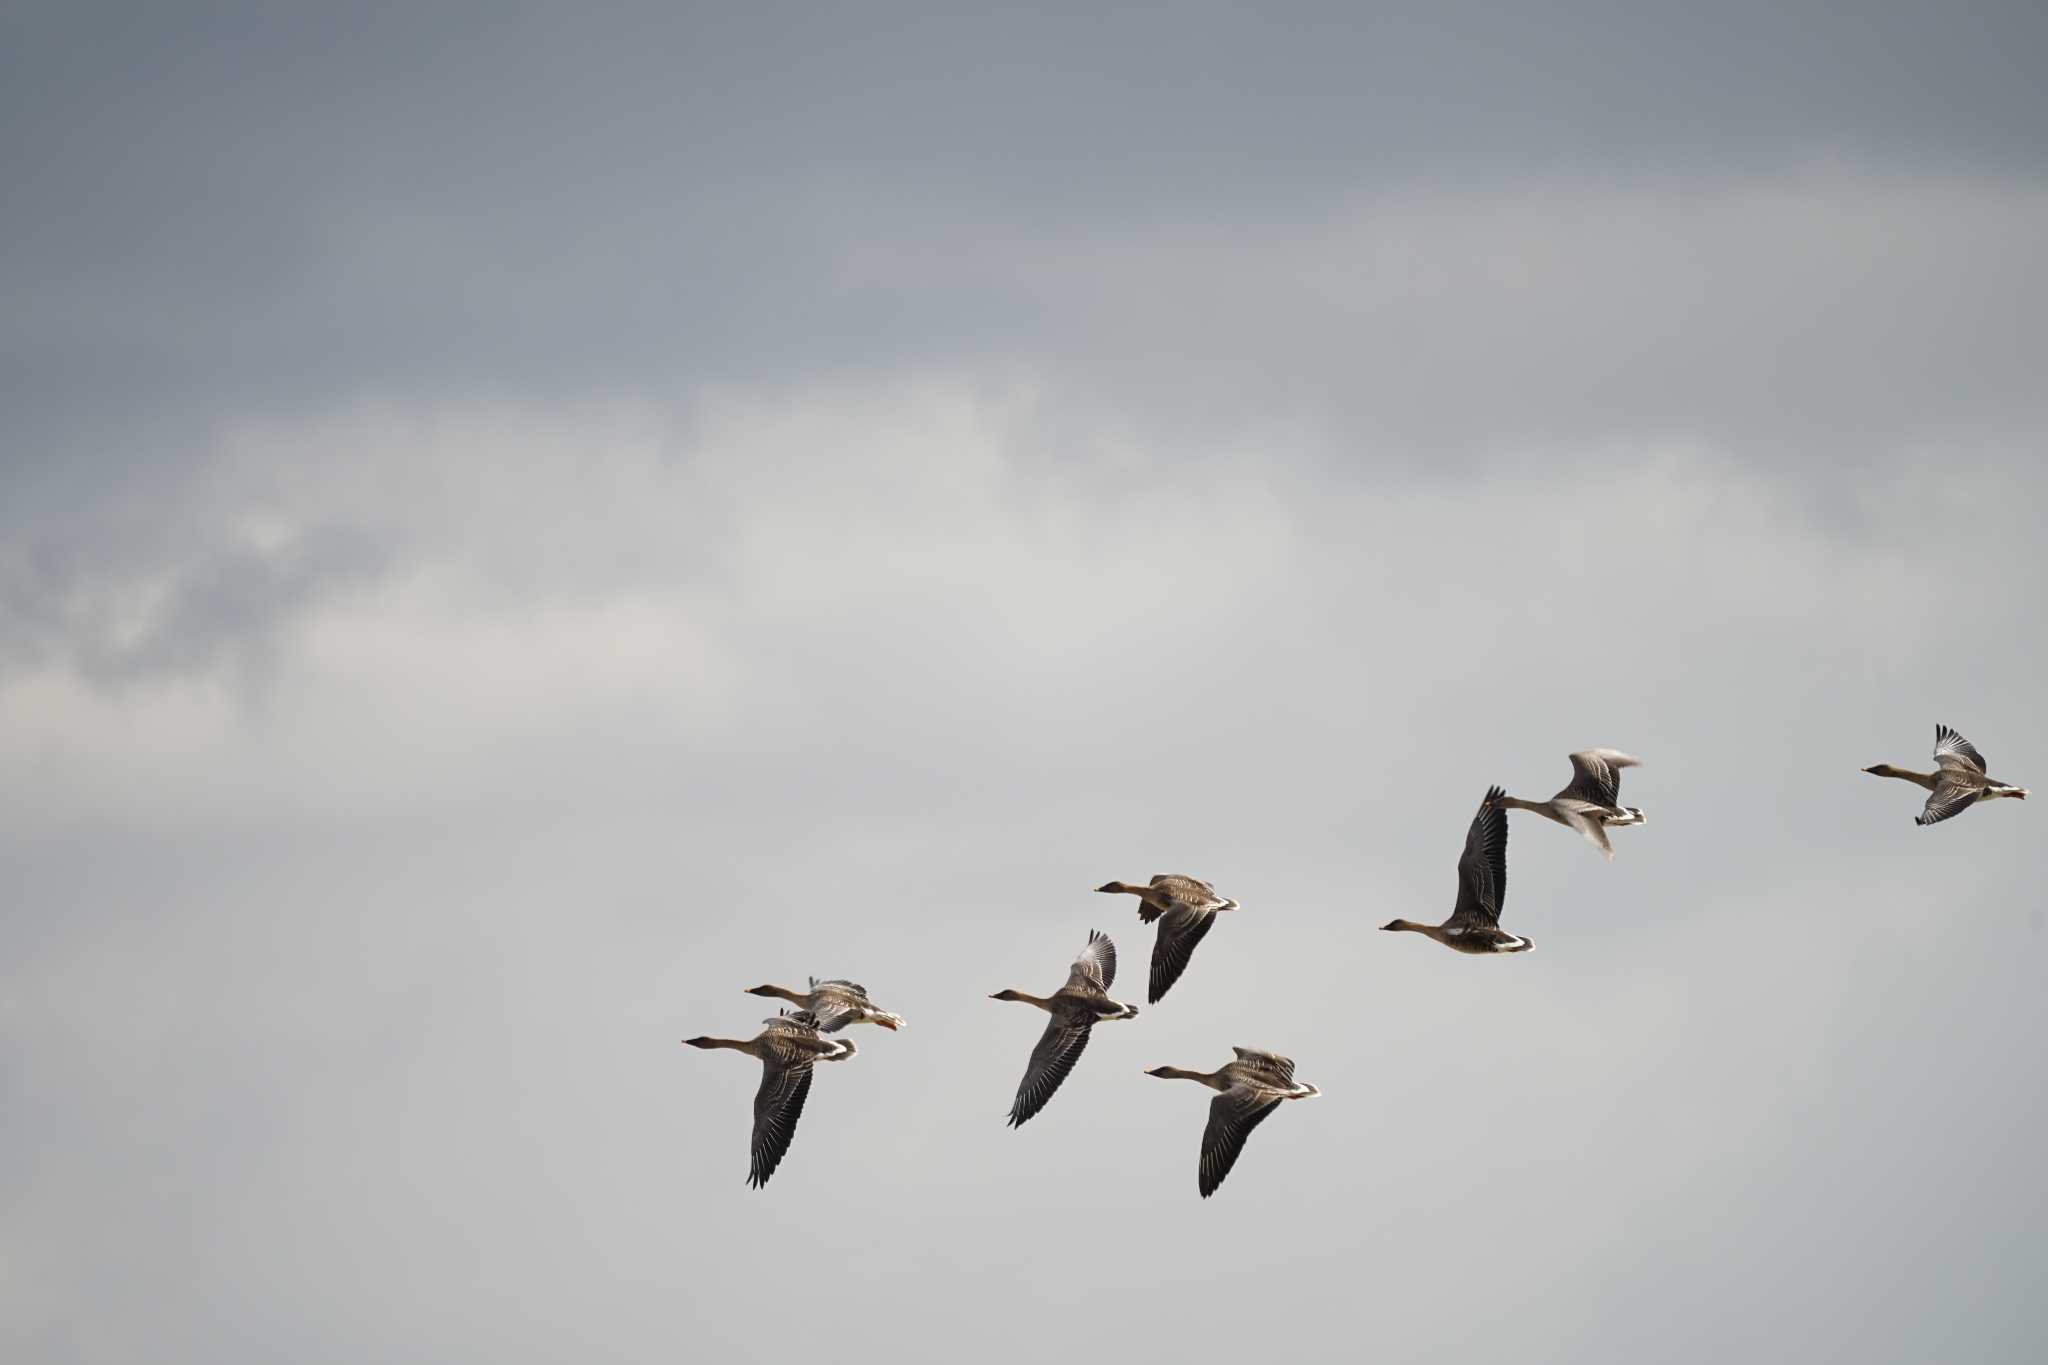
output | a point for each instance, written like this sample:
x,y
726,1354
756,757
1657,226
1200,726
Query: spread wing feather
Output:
x,y
834,1017
1949,798
1273,1062
1596,775
1058,1049
778,1104
1232,1116
1179,932
1951,748
801,1022
1483,867
1096,965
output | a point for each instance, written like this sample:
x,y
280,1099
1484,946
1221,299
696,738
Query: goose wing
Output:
x,y
834,1015
1596,775
1952,795
800,1022
1058,1049
1179,932
1191,891
1952,750
1096,966
853,986
1232,1116
1282,1067
778,1104
1483,866
1579,815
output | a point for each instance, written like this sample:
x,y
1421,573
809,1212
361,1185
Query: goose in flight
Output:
x,y
1075,1008
1250,1088
1185,908
1592,801
836,1004
1474,926
786,1049
1958,782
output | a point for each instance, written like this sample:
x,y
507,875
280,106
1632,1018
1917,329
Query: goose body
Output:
x,y
1591,802
1474,925
1075,1009
1249,1088
836,1004
1958,782
1185,908
787,1048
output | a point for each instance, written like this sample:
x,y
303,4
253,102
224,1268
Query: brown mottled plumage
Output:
x,y
1959,782
1474,925
1185,908
837,1003
1075,1008
1591,801
1251,1088
787,1048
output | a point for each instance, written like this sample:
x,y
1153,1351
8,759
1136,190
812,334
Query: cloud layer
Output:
x,y
511,542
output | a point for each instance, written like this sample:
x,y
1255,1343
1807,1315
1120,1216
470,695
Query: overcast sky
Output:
x,y
517,524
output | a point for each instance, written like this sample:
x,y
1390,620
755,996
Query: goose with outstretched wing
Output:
x,y
1249,1089
1591,802
1474,925
1959,780
787,1048
1075,1009
1185,909
837,1003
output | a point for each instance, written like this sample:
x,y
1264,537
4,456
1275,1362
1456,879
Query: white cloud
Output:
x,y
881,682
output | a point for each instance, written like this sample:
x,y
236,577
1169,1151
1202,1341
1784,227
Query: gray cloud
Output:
x,y
712,499
254,207
494,856
224,606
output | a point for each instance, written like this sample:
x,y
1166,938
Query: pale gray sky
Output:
x,y
519,523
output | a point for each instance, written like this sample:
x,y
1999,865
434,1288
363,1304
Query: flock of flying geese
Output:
x,y
1254,1083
